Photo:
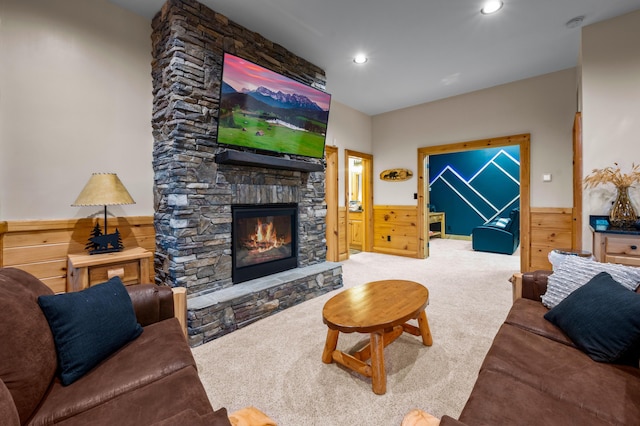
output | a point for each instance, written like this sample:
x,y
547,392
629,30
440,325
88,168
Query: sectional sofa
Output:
x,y
150,379
536,374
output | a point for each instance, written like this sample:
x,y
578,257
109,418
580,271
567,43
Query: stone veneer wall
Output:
x,y
193,194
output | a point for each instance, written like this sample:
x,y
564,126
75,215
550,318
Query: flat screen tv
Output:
x,y
264,110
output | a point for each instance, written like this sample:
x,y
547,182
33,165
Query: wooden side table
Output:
x,y
437,217
85,270
619,248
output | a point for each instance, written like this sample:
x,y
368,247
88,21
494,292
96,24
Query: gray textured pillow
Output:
x,y
575,271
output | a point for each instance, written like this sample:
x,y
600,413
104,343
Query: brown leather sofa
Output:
x,y
534,375
151,380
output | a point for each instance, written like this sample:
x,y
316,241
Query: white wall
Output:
x,y
610,106
543,106
75,98
348,128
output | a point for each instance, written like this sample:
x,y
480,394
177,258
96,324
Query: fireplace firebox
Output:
x,y
264,240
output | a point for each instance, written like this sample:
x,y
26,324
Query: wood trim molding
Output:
x,y
523,140
551,210
423,238
577,182
331,198
53,224
180,308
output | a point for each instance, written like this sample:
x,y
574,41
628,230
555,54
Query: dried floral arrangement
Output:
x,y
614,176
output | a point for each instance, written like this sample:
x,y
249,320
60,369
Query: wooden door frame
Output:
x,y
367,197
331,199
577,182
523,141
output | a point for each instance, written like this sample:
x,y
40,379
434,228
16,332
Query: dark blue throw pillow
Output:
x,y
89,325
603,319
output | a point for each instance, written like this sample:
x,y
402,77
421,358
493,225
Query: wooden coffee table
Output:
x,y
382,309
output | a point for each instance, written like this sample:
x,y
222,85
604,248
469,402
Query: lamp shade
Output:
x,y
103,189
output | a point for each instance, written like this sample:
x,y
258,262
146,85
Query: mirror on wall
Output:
x,y
355,184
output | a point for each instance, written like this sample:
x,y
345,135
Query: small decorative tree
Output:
x,y
119,240
96,232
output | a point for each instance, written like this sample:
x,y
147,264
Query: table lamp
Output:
x,y
103,189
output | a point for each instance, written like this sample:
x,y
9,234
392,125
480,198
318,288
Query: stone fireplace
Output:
x,y
200,186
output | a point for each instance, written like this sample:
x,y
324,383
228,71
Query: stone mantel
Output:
x,y
257,160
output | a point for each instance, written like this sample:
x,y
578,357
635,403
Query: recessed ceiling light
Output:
x,y
360,59
575,22
491,6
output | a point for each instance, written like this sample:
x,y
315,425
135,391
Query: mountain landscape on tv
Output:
x,y
276,99
278,118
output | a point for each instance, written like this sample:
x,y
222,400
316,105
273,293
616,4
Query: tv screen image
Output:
x,y
262,109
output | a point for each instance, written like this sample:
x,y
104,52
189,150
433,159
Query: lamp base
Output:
x,y
104,243
108,250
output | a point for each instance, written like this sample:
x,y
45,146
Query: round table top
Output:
x,y
375,306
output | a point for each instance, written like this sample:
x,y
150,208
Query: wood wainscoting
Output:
x,y
551,228
395,230
40,247
343,247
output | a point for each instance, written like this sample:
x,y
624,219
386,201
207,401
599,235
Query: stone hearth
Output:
x,y
220,312
194,194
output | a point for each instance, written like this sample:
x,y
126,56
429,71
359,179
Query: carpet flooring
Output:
x,y
275,364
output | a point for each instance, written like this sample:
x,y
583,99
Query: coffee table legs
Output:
x,y
425,331
356,362
330,346
375,351
378,374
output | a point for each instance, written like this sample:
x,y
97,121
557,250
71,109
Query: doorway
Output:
x,y
523,141
358,201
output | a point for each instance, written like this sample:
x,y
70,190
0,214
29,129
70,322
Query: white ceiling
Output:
x,y
419,50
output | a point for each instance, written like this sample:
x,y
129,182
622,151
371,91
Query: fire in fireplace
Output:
x,y
264,240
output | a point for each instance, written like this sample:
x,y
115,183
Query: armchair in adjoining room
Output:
x,y
500,235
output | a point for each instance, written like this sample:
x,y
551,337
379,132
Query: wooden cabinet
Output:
x,y
85,270
436,225
355,230
623,248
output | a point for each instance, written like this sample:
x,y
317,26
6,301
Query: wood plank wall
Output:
x,y
40,247
551,228
395,230
343,251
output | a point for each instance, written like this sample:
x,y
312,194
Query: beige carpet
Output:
x,y
275,364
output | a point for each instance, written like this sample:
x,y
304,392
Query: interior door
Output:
x,y
331,198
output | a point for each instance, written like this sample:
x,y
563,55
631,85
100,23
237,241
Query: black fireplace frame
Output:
x,y
246,273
